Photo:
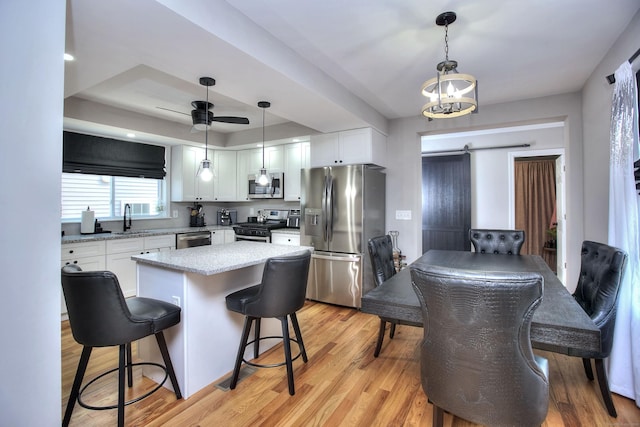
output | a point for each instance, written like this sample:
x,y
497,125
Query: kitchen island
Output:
x,y
203,345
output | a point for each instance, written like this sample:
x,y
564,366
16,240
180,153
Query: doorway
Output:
x,y
538,204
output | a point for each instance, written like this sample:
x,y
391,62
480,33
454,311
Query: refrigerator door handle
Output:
x,y
329,208
324,208
348,258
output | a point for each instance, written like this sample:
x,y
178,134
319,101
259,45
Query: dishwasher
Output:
x,y
193,239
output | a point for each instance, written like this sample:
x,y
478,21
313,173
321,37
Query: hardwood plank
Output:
x,y
342,384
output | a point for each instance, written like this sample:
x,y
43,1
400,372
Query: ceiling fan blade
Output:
x,y
173,111
231,119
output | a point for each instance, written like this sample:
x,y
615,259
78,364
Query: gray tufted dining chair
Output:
x,y
507,242
476,358
601,272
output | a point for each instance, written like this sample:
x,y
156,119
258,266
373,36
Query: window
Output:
x,y
107,195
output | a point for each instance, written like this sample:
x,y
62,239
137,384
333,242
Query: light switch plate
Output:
x,y
404,215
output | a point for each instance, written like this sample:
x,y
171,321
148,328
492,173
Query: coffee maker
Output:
x,y
227,217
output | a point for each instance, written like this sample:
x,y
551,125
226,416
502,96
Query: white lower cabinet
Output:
x,y
119,262
220,237
285,239
88,256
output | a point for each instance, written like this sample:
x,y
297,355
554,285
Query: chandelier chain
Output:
x,y
446,42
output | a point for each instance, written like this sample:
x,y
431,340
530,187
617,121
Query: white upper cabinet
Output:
x,y
296,157
185,186
225,179
355,146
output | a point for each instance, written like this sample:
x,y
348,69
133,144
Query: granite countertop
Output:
x,y
210,260
79,238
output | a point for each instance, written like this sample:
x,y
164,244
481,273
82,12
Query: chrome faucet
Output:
x,y
127,207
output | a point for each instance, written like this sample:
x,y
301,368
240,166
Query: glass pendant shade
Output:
x,y
205,171
263,177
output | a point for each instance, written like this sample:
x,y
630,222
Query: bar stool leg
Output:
x,y
256,339
248,320
162,344
296,329
77,382
129,364
121,375
287,353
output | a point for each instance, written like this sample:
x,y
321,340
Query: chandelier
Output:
x,y
451,94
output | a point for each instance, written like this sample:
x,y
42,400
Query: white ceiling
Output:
x,y
326,65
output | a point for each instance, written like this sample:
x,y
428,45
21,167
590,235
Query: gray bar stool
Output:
x,y
100,316
280,294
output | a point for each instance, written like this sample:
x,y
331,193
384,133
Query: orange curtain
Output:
x,y
535,194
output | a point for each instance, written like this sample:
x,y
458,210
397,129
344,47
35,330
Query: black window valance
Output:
x,y
105,156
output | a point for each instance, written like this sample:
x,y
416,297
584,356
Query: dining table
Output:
x,y
559,324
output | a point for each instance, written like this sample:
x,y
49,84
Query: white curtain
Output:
x,y
624,362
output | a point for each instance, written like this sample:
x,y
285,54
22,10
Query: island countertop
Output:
x,y
210,260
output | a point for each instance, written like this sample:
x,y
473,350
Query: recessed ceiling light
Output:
x,y
259,145
131,135
68,57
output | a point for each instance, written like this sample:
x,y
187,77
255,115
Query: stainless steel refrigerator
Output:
x,y
342,208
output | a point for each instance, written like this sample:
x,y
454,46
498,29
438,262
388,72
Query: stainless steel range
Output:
x,y
261,231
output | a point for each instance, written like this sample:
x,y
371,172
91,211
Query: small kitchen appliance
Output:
x,y
227,216
293,220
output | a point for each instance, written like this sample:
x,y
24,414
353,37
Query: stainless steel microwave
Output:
x,y
274,190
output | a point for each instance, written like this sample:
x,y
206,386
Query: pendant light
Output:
x,y
205,170
451,94
263,178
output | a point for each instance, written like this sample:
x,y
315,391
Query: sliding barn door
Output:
x,y
446,202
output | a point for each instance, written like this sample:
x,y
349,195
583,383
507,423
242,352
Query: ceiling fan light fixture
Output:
x,y
450,93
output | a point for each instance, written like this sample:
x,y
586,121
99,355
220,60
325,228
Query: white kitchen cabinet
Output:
x,y
164,242
296,157
89,256
185,186
285,239
119,262
355,146
219,237
225,180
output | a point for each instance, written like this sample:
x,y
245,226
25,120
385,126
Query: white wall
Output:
x,y
404,167
596,112
31,83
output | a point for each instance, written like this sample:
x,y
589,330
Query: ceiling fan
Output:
x,y
202,116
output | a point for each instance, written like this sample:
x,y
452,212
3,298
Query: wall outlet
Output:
x,y
175,213
404,215
176,300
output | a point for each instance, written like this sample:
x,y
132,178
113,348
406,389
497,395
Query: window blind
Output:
x,y
106,156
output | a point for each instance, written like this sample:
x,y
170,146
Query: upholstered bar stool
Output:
x,y
100,316
280,294
507,242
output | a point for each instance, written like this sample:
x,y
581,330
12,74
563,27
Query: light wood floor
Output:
x,y
342,384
